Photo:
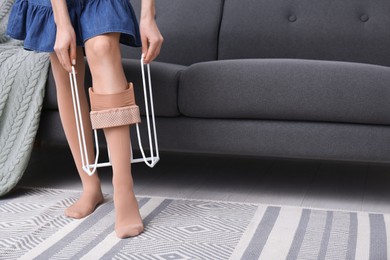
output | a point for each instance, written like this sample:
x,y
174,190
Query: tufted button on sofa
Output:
x,y
289,79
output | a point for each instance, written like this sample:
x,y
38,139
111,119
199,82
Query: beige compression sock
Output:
x,y
92,195
114,113
128,221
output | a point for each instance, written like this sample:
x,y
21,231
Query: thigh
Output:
x,y
61,76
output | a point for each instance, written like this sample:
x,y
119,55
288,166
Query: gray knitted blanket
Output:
x,y
23,77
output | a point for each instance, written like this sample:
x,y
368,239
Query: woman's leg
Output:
x,y
92,194
104,59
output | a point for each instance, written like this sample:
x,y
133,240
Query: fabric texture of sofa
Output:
x,y
289,79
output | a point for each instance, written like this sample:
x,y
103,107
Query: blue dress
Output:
x,y
33,22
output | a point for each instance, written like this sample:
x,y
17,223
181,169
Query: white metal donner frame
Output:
x,y
152,134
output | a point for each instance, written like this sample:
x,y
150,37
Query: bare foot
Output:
x,y
128,221
85,205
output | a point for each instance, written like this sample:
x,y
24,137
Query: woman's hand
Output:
x,y
65,46
151,39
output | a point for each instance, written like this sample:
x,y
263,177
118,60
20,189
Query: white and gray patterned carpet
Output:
x,y
32,226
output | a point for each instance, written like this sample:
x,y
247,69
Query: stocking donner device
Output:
x,y
154,157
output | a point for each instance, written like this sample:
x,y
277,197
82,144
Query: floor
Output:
x,y
314,184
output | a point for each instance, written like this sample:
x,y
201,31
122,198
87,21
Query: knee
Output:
x,y
102,47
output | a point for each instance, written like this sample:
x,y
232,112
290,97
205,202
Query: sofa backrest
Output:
x,y
339,30
189,27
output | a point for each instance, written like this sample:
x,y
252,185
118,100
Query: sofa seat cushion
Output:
x,y
165,80
287,89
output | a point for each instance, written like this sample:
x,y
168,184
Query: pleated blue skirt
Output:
x,y
33,22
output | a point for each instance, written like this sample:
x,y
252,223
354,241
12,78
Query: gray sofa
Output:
x,y
274,78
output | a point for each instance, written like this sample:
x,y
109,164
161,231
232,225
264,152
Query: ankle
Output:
x,y
91,185
92,190
123,186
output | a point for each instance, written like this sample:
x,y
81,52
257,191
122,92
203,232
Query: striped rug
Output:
x,y
32,226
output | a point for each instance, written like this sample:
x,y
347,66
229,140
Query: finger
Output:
x,y
150,54
157,52
145,46
59,57
66,60
147,58
73,53
153,51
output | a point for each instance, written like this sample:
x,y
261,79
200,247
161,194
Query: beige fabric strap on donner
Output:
x,y
110,110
